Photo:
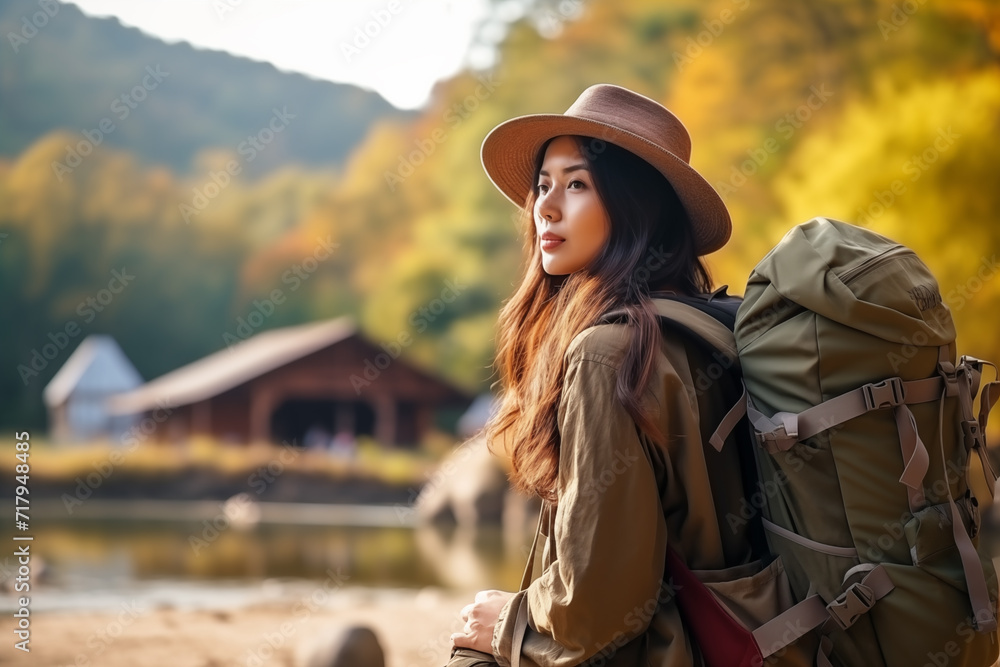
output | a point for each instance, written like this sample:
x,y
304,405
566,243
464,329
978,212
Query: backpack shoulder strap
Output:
x,y
708,318
698,323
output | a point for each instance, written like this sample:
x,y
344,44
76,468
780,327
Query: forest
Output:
x,y
174,221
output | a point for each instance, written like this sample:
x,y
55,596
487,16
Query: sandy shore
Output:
x,y
412,626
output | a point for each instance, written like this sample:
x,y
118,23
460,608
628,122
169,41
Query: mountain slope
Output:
x,y
73,72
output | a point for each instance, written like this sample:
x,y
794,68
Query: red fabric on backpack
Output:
x,y
723,642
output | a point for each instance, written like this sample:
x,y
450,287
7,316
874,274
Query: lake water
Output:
x,y
96,564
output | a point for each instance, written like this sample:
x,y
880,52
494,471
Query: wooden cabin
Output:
x,y
282,384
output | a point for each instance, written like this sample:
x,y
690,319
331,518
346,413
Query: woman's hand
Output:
x,y
480,618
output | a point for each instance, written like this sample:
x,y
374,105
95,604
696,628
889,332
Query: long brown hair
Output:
x,y
545,313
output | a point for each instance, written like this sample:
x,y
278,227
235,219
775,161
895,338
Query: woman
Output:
x,y
603,420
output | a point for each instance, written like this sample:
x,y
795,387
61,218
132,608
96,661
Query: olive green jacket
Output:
x,y
601,593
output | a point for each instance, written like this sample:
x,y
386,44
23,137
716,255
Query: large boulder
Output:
x,y
352,646
469,487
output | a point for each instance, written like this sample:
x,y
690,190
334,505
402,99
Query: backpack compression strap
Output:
x,y
812,612
783,430
709,330
720,338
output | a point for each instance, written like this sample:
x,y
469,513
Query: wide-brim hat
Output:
x,y
627,119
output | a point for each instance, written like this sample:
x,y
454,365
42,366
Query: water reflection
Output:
x,y
99,554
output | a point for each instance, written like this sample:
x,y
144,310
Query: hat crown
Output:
x,y
635,113
626,119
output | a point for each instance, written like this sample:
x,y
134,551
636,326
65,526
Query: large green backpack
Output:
x,y
866,427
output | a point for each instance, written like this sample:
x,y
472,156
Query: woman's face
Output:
x,y
570,220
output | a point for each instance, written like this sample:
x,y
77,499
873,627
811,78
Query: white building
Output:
x,y
75,396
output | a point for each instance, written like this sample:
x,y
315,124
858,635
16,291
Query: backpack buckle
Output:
x,y
887,393
774,442
948,373
973,434
851,604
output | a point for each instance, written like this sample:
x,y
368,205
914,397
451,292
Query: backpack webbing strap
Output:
x,y
973,426
916,460
520,629
983,609
892,392
700,324
790,625
529,566
824,651
991,392
916,464
729,422
521,620
707,319
784,429
843,612
716,335
712,332
792,536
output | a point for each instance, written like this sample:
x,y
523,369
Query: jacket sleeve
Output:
x,y
604,578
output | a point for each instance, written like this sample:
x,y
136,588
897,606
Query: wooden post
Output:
x,y
344,418
425,419
201,417
261,406
385,420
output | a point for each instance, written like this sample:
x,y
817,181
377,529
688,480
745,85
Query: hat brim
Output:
x,y
508,153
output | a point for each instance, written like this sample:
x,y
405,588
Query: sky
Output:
x,y
398,48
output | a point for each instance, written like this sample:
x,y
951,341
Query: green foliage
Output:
x,y
921,179
75,70
795,110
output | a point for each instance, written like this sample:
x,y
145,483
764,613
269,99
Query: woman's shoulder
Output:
x,y
605,343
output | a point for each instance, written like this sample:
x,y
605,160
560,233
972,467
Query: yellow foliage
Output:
x,y
914,164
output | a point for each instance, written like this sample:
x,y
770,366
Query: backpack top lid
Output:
x,y
850,275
